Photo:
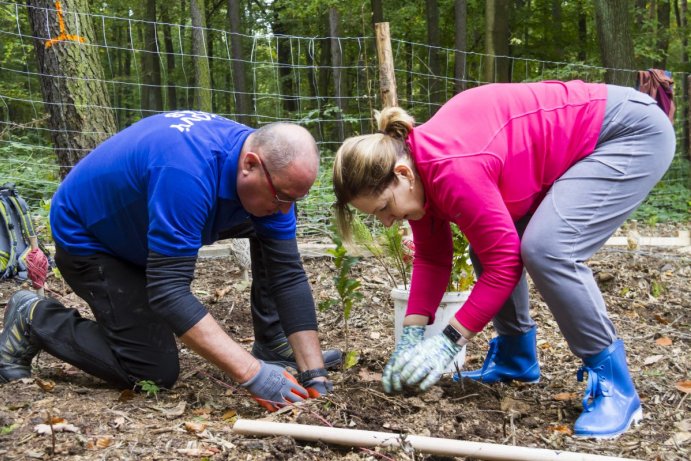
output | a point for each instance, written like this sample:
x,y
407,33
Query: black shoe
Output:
x,y
16,348
280,353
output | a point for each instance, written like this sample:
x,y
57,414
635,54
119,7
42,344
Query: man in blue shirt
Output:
x,y
128,222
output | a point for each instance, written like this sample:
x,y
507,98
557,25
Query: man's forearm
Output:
x,y
209,340
308,354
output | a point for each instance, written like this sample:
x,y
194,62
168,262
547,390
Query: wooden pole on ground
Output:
x,y
387,77
431,445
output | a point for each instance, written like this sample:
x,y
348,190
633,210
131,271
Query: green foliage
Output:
x,y
387,248
150,387
668,202
351,359
348,289
328,113
545,45
657,288
390,250
5,430
462,274
29,165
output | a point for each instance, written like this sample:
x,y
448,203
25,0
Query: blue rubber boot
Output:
x,y
611,402
509,358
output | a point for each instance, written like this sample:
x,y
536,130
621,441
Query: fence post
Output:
x,y
387,78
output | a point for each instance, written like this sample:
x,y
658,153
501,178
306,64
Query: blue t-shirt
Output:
x,y
165,184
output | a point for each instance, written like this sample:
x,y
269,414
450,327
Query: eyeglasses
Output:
x,y
277,199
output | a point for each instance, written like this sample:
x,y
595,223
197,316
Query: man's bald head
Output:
x,y
283,143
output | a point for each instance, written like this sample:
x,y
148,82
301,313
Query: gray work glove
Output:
x,y
318,388
315,387
273,387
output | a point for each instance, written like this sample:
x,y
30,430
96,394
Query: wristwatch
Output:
x,y
311,374
455,336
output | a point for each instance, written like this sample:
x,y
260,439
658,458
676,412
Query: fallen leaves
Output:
x,y
368,376
663,341
126,395
100,443
45,384
198,451
55,427
230,416
194,427
510,405
684,386
653,359
565,396
172,412
561,429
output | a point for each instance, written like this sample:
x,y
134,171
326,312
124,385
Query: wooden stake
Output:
x,y
387,77
432,445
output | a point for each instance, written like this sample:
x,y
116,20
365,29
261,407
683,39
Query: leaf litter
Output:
x,y
194,419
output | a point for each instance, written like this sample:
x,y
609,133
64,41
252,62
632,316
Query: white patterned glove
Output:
x,y
427,361
412,336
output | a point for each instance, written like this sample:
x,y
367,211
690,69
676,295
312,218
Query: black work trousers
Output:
x,y
128,342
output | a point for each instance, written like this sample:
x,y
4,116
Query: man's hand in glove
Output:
x,y
311,380
273,387
412,336
427,361
317,388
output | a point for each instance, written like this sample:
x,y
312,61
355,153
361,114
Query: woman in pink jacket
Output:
x,y
537,176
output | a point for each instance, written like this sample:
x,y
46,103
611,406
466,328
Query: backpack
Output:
x,y
16,233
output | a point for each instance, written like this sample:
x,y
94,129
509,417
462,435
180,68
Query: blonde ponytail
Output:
x,y
395,122
364,165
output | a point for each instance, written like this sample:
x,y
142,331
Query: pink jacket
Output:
x,y
486,159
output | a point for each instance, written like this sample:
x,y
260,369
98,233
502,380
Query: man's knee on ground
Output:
x,y
165,375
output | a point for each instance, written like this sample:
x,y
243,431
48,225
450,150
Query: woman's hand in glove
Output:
x,y
427,361
412,336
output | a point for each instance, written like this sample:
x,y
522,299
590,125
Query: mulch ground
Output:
x,y
648,292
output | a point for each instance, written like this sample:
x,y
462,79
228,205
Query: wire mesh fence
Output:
x,y
327,84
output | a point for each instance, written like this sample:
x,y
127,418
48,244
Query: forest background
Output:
x,y
74,72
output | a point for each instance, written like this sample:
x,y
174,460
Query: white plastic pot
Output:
x,y
450,303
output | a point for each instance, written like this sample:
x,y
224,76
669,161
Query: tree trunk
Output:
x,y
582,32
681,14
663,18
152,99
461,44
409,72
613,25
324,67
557,32
436,84
285,73
202,74
72,81
240,93
118,91
337,64
497,40
377,11
172,102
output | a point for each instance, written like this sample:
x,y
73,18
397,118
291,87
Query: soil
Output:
x,y
647,291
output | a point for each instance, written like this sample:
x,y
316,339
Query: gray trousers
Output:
x,y
584,207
